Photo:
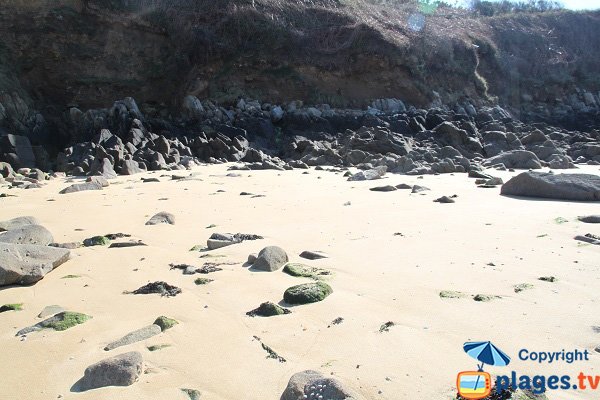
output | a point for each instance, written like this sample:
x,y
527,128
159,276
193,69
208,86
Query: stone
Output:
x,y
444,200
130,167
312,255
60,322
96,241
162,218
136,336
305,271
419,189
165,323
98,179
387,188
368,175
519,159
28,234
268,309
122,370
313,385
192,107
158,287
17,223
20,147
590,219
577,187
50,310
403,186
307,293
103,168
25,264
270,259
80,187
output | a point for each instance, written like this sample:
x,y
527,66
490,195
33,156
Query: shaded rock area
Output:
x,y
121,370
314,385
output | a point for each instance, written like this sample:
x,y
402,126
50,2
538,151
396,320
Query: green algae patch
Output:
x,y
165,323
96,241
71,277
11,307
307,293
452,294
305,271
66,320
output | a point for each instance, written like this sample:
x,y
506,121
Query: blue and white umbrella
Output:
x,y
486,353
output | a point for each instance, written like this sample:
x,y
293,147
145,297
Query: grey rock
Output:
x,y
98,179
313,385
50,310
578,187
162,218
590,219
270,258
141,334
130,167
80,187
25,264
444,200
520,159
312,255
17,223
387,188
29,234
368,175
103,168
419,189
122,370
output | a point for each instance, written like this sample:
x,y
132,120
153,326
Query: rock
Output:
x,y
162,218
270,259
305,271
419,189
578,187
141,334
192,108
103,168
444,199
387,188
313,385
25,264
50,310
158,287
307,293
165,323
122,245
130,167
519,159
96,241
452,294
17,223
588,238
268,309
590,219
29,234
122,370
312,255
98,179
193,394
20,148
219,240
369,175
59,322
403,186
11,307
80,187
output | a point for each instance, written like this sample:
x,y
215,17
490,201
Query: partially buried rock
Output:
x,y
141,334
159,287
313,385
578,187
312,255
590,219
29,234
307,293
270,259
485,297
162,218
403,186
588,238
17,223
419,189
121,245
268,309
387,188
444,200
81,187
96,241
98,179
452,294
305,271
369,175
122,370
11,307
59,322
165,322
25,264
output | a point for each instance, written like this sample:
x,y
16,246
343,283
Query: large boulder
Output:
x,y
578,187
17,223
28,234
81,187
313,385
25,264
521,159
122,370
270,259
162,217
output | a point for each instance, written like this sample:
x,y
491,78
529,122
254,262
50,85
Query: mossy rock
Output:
x,y
165,323
11,307
66,320
304,271
307,293
452,294
96,241
203,281
522,286
268,309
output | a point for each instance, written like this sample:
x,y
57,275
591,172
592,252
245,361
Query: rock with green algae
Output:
x,y
307,293
268,309
96,241
452,294
165,322
305,271
11,307
59,322
203,281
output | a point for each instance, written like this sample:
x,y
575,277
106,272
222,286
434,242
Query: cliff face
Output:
x,y
57,54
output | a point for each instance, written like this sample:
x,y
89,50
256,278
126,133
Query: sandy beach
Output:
x,y
391,254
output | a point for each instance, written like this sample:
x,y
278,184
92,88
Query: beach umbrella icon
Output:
x,y
486,353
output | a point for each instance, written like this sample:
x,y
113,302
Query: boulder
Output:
x,y
28,234
520,159
162,218
17,150
368,175
103,168
98,179
17,223
313,385
307,293
25,264
270,259
578,187
122,370
590,219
